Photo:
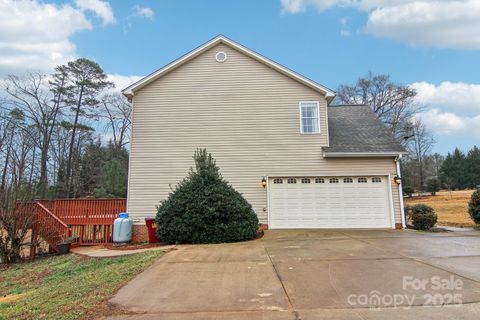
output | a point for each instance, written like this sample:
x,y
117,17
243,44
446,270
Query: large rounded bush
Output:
x,y
204,208
423,217
474,207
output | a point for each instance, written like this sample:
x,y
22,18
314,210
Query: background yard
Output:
x,y
66,287
450,206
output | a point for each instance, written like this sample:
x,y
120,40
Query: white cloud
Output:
x,y
101,8
452,108
39,33
423,23
448,123
297,6
440,24
144,12
457,96
121,82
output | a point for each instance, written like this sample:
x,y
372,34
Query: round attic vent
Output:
x,y
221,56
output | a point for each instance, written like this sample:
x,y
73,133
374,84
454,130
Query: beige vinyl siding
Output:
x,y
246,114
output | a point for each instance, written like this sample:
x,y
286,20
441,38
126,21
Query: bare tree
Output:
x,y
392,103
40,102
14,228
13,122
419,147
117,112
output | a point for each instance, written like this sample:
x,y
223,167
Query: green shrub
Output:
x,y
204,208
423,217
474,207
408,191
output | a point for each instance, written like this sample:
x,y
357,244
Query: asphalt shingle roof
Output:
x,y
355,128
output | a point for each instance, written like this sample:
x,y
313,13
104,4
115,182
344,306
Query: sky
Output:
x,y
432,46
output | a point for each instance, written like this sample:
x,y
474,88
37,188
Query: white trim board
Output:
x,y
400,193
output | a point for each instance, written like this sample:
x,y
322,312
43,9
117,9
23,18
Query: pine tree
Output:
x,y
473,166
205,208
91,168
114,181
60,191
453,172
86,81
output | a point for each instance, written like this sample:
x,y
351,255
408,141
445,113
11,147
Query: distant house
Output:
x,y
322,166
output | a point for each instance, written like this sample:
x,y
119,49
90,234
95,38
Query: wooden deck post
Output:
x,y
33,243
82,230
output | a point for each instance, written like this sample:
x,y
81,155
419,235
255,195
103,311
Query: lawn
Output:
x,y
451,207
66,287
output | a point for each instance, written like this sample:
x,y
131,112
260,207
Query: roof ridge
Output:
x,y
350,105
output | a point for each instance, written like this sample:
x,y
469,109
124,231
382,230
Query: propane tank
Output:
x,y
122,228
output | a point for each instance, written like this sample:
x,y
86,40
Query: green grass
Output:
x,y
67,287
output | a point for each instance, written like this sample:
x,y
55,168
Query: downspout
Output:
x,y
400,190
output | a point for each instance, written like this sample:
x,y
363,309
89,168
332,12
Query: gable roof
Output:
x,y
354,130
130,90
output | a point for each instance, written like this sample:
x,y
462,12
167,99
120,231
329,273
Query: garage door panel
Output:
x,y
345,204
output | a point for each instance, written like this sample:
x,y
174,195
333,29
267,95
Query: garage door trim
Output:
x,y
388,176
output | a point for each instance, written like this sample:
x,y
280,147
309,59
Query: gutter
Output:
x,y
327,154
400,191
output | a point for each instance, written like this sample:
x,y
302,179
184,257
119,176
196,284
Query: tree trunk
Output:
x,y
72,142
5,167
44,161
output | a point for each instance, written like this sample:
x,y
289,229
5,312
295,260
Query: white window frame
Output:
x,y
300,114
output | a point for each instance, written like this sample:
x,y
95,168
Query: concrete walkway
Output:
x,y
102,252
314,274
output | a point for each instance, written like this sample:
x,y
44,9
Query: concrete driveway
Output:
x,y
314,274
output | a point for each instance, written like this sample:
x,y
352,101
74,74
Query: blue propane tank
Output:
x,y
122,228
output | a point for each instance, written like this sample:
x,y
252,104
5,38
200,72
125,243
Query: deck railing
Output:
x,y
86,211
84,221
50,227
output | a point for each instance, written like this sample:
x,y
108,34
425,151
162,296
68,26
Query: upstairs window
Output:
x,y
309,117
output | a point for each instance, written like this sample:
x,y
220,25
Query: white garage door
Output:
x,y
329,202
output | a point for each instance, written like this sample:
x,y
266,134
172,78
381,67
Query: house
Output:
x,y
300,162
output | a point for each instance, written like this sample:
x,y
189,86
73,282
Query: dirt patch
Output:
x,y
12,297
450,206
